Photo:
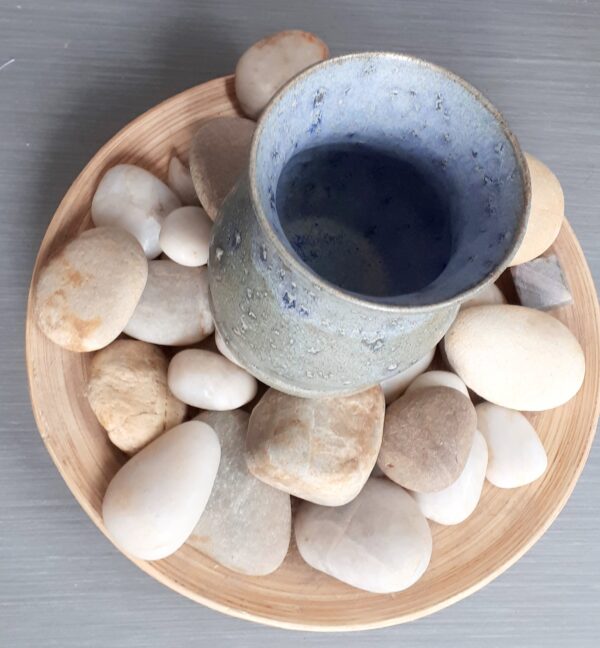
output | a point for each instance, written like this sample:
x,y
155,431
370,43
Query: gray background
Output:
x,y
81,71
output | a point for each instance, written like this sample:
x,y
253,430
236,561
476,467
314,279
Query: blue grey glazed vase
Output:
x,y
381,192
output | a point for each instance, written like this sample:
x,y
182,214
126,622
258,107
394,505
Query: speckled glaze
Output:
x,y
304,335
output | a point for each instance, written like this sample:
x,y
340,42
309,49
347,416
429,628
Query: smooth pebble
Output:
x,y
85,295
134,199
491,294
246,525
427,437
127,390
546,214
209,381
514,356
456,503
516,454
218,156
154,502
438,379
174,308
185,236
395,386
180,181
379,542
319,449
268,64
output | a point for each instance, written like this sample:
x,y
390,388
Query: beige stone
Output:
x,y
85,295
219,154
546,214
128,392
516,357
427,438
438,379
269,64
246,524
318,449
379,542
491,294
174,307
153,503
185,236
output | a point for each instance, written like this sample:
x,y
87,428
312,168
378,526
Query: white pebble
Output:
x,y
185,236
438,379
180,180
395,386
454,504
209,381
153,503
134,199
516,454
379,542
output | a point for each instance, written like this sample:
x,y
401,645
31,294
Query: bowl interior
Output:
x,y
390,178
466,557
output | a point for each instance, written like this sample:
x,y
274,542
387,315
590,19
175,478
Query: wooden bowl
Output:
x,y
465,557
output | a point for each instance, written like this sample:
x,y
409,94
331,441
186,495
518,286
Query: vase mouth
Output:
x,y
478,163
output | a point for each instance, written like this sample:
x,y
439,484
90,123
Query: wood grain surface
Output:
x,y
82,70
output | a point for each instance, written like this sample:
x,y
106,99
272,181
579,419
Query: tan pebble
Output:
x,y
128,392
269,64
491,294
319,449
85,295
546,214
438,379
219,154
427,437
516,357
180,181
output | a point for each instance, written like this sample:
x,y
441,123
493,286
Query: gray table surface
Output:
x,y
71,74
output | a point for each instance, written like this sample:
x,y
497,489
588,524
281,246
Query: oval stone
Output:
x,y
319,449
209,381
491,294
85,295
127,390
154,502
269,64
379,542
246,524
516,357
546,214
427,437
134,199
174,308
185,236
517,456
455,504
219,155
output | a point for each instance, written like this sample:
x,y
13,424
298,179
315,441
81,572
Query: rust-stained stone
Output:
x,y
319,449
87,292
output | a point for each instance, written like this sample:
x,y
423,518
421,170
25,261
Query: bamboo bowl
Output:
x,y
465,557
